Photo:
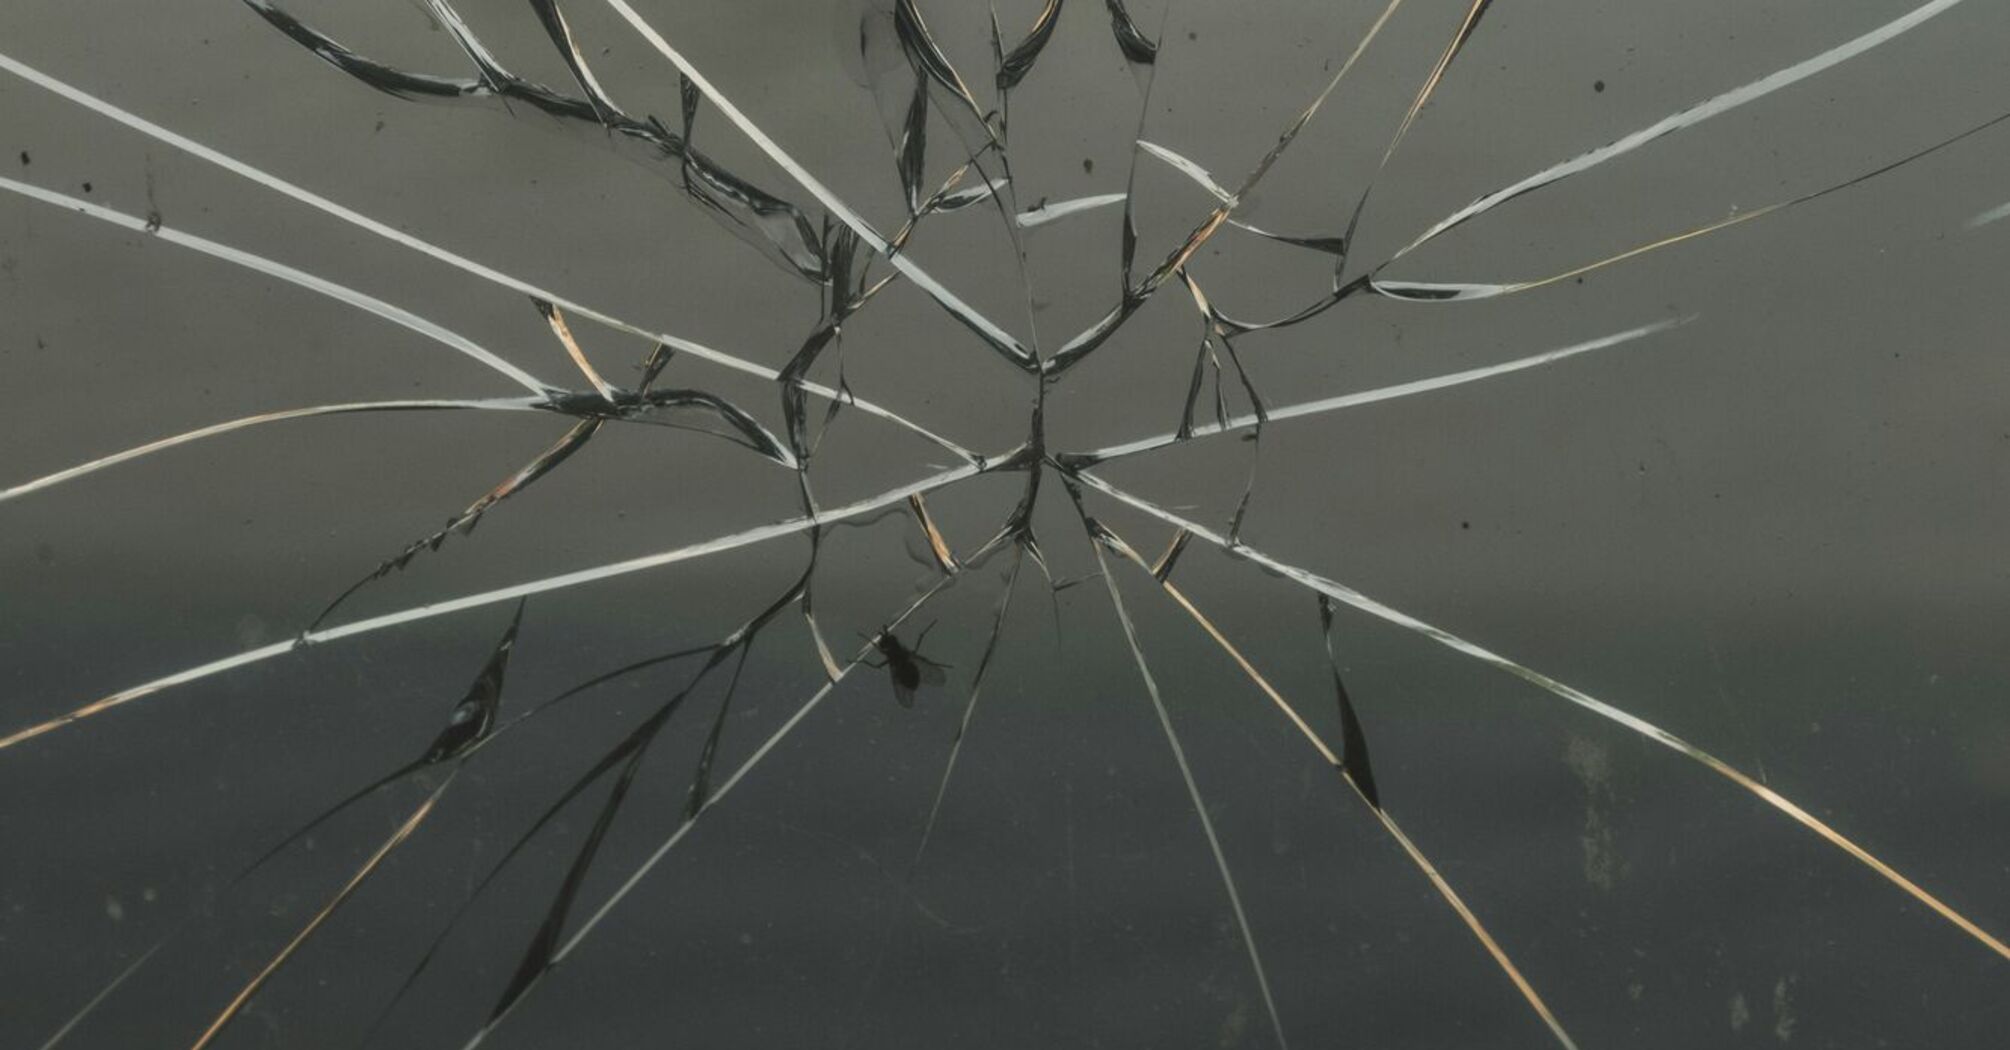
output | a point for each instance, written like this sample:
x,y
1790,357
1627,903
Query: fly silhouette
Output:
x,y
906,668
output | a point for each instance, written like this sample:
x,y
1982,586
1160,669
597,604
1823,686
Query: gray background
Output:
x,y
1775,531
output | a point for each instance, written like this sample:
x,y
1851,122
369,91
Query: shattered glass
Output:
x,y
890,522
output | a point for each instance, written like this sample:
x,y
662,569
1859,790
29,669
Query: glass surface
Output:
x,y
1066,524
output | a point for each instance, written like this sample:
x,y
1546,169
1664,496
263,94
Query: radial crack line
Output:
x,y
938,546
1437,75
1182,164
477,600
272,268
1054,211
1000,339
459,262
1695,114
502,404
1342,593
1191,169
1447,291
1192,790
1179,597
1290,134
1085,342
469,727
593,921
969,707
1417,857
623,754
1230,200
1424,93
1435,292
555,317
1996,214
1340,402
398,837
1472,922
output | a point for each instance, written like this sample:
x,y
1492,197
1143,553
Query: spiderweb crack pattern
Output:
x,y
827,245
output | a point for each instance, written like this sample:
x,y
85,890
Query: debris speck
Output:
x,y
1592,763
1784,1018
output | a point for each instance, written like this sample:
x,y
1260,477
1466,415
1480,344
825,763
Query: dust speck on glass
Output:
x,y
904,523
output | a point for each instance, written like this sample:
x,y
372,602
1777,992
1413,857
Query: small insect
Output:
x,y
906,668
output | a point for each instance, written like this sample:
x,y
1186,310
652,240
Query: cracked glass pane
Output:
x,y
891,522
